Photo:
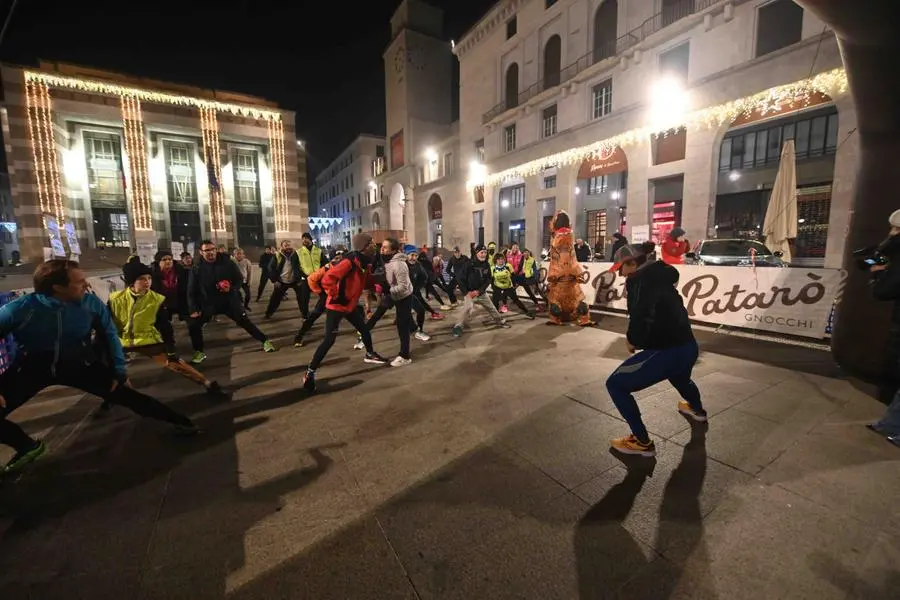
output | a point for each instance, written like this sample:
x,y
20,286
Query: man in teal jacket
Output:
x,y
52,329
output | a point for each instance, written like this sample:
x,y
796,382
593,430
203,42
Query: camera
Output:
x,y
866,258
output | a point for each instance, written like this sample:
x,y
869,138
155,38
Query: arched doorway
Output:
x,y
552,60
606,30
601,199
511,87
435,223
376,221
749,158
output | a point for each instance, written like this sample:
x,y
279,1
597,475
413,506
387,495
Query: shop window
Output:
x,y
813,136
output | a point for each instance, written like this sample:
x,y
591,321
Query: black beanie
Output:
x,y
162,254
134,269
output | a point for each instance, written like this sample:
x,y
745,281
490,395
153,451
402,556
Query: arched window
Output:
x,y
606,24
552,58
512,86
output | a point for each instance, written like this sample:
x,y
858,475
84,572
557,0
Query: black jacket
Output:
x,y
178,304
476,277
457,266
620,241
265,260
204,295
417,275
657,318
583,253
278,260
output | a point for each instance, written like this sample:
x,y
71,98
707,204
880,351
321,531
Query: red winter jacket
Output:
x,y
344,283
673,251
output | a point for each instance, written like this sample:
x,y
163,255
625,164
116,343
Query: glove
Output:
x,y
224,286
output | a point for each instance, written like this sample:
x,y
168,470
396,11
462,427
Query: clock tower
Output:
x,y
418,77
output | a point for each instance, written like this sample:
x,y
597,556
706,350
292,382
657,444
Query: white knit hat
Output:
x,y
894,219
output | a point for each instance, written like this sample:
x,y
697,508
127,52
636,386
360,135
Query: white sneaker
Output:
x,y
445,307
400,361
359,345
422,336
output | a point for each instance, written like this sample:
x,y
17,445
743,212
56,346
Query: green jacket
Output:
x,y
310,260
136,320
528,267
502,277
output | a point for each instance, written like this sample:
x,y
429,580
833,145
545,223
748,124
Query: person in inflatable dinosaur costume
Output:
x,y
565,276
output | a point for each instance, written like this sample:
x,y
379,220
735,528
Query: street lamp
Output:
x,y
668,103
431,155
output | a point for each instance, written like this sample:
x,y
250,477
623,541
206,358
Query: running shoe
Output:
x,y
198,357
269,346
375,359
503,324
698,415
309,382
422,336
437,317
504,309
631,445
187,430
298,342
530,315
215,390
457,331
446,307
25,457
400,362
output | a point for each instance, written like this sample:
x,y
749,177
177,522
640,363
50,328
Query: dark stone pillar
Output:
x,y
869,36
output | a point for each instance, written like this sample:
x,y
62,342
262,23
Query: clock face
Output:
x,y
399,59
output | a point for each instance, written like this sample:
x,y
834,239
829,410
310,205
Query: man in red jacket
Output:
x,y
674,247
343,285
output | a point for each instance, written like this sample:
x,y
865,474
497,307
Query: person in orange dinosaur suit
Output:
x,y
565,276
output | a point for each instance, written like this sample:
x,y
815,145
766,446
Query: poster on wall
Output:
x,y
74,246
640,234
57,249
177,250
792,301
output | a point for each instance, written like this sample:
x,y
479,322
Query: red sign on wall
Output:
x,y
397,154
608,161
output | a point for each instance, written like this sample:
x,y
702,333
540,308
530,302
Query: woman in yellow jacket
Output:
x,y
144,327
502,285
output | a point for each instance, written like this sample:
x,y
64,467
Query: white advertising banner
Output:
x,y
794,301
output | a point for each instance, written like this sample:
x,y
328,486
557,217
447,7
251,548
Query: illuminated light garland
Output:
x,y
112,89
136,148
210,125
43,151
798,94
279,175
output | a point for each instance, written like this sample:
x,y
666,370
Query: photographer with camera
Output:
x,y
884,265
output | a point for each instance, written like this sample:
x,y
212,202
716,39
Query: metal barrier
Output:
x,y
7,345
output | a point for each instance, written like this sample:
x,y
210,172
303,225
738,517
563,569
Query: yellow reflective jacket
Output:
x,y
136,319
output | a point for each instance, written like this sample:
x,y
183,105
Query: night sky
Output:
x,y
323,60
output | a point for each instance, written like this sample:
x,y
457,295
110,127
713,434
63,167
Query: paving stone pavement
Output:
x,y
480,471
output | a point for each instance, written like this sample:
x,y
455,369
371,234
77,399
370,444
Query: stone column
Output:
x,y
637,211
843,184
700,171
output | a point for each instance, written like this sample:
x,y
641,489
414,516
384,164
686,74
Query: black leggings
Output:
x,y
509,294
333,320
309,321
263,280
417,294
387,303
195,326
25,379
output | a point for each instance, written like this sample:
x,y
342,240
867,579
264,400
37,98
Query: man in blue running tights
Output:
x,y
660,339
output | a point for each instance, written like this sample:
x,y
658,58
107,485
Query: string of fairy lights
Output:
x,y
46,161
136,150
40,130
791,96
209,124
279,175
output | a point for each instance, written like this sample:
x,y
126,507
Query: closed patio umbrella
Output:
x,y
780,224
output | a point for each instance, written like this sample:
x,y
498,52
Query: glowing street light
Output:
x,y
668,103
431,155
